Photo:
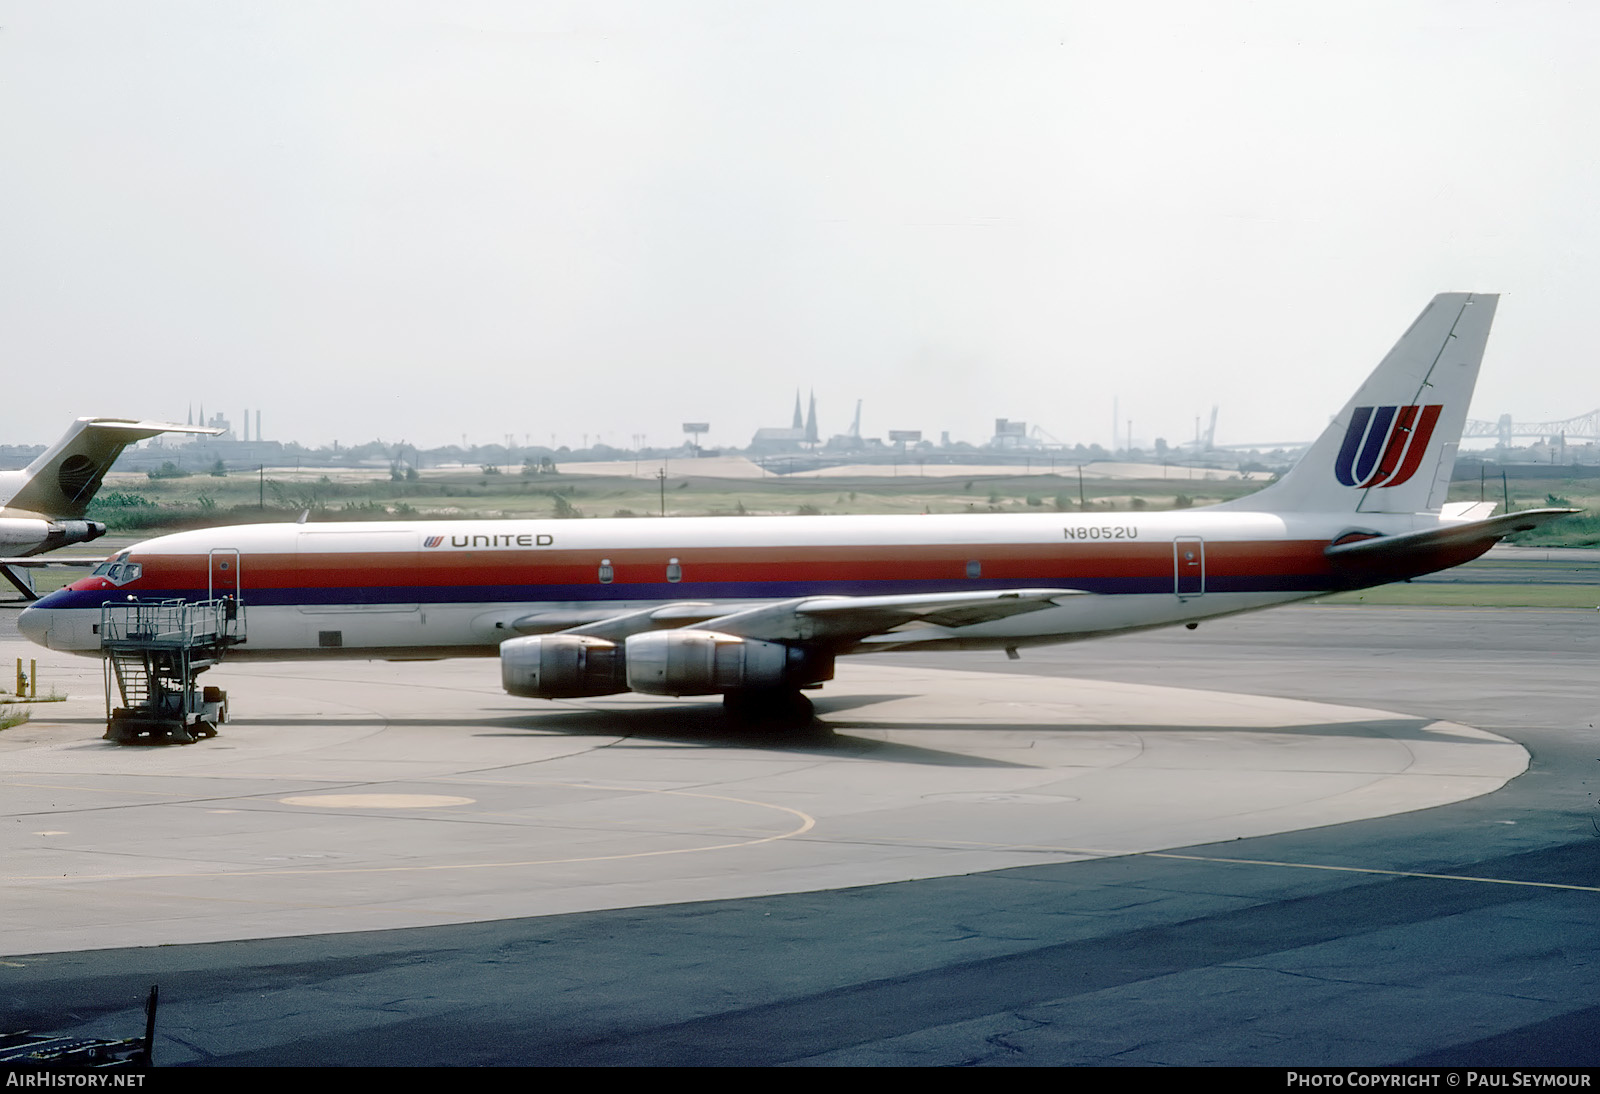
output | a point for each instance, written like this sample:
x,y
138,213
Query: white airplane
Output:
x,y
758,608
42,506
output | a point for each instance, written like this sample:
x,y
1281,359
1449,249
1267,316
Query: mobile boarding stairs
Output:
x,y
154,651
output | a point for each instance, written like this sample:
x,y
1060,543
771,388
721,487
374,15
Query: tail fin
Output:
x,y
61,482
1393,447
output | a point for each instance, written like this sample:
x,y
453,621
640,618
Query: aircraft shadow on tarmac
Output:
x,y
706,724
1394,729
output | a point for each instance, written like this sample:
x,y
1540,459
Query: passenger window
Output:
x,y
606,573
974,568
674,571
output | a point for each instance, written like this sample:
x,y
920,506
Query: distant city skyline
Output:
x,y
1583,426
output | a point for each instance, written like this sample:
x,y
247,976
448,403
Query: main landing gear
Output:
x,y
776,708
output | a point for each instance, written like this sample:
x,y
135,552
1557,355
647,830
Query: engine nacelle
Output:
x,y
689,662
73,531
32,535
560,666
16,532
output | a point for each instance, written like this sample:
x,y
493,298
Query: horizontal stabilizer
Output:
x,y
1466,510
1483,533
148,429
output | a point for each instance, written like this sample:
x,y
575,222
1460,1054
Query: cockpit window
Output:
x,y
119,573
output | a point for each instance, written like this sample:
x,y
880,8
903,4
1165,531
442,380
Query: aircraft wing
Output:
x,y
1464,534
834,621
614,627
842,620
41,561
14,571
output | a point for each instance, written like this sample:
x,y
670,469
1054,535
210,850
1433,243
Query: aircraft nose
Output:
x,y
34,625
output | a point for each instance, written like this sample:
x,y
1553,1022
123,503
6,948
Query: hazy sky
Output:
x,y
418,220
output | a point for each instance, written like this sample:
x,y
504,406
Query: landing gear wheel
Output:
x,y
776,708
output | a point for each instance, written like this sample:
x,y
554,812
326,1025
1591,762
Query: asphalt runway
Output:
x,y
1458,933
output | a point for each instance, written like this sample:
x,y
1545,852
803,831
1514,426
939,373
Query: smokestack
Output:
x,y
258,426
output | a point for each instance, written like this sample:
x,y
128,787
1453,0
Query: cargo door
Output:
x,y
224,580
1189,567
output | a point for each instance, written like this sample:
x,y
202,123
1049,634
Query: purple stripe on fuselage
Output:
x,y
732,590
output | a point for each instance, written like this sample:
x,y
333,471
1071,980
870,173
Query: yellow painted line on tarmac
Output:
x,y
806,823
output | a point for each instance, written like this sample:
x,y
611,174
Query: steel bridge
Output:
x,y
1585,427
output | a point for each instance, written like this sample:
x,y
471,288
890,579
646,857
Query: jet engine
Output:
x,y
560,666
676,662
689,662
33,535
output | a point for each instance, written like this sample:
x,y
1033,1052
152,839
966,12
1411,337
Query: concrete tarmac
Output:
x,y
359,796
925,881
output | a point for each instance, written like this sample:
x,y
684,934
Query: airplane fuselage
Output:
x,y
460,588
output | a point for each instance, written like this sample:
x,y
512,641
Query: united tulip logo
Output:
x,y
1384,445
433,541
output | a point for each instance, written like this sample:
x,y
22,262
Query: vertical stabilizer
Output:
x,y
1393,446
61,482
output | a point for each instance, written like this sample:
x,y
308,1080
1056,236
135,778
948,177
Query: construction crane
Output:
x,y
1207,441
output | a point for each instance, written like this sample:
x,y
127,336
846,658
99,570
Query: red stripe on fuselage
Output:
x,y
1050,563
